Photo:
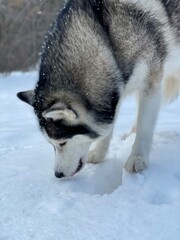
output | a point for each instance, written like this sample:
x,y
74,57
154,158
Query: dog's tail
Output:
x,y
171,87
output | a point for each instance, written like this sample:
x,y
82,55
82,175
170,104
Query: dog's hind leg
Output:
x,y
149,104
97,155
171,87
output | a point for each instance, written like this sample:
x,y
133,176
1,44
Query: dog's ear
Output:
x,y
58,114
28,97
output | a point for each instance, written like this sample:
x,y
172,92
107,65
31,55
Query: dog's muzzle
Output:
x,y
61,174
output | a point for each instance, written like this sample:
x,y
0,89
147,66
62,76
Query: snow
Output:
x,y
102,201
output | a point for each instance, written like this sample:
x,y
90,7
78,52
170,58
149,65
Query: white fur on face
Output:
x,y
76,149
67,157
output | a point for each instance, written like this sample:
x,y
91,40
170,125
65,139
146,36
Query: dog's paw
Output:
x,y
95,157
136,163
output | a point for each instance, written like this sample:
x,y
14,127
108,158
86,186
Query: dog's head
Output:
x,y
69,127
75,107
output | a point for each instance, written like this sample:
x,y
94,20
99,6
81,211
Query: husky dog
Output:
x,y
96,53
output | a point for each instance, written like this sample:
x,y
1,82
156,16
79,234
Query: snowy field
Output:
x,y
102,202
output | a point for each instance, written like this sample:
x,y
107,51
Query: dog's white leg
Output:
x,y
148,112
97,155
134,126
133,130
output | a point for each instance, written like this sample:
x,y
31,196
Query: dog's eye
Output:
x,y
62,144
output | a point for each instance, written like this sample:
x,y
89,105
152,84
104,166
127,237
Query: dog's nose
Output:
x,y
59,175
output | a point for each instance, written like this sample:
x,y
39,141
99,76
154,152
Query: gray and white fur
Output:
x,y
96,53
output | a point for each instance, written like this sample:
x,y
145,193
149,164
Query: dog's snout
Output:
x,y
59,174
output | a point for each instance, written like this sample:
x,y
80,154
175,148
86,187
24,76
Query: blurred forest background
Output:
x,y
23,25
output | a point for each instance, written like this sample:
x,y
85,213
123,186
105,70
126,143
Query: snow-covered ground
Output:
x,y
102,201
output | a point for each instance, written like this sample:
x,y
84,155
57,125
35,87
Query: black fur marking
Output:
x,y
59,130
105,113
170,6
95,10
66,8
97,6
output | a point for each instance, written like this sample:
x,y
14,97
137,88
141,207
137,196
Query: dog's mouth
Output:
x,y
80,166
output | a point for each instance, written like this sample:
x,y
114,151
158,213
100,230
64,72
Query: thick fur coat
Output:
x,y
95,54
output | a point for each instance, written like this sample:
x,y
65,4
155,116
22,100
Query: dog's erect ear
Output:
x,y
28,97
58,114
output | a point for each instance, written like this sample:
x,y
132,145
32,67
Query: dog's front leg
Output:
x,y
149,105
98,154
